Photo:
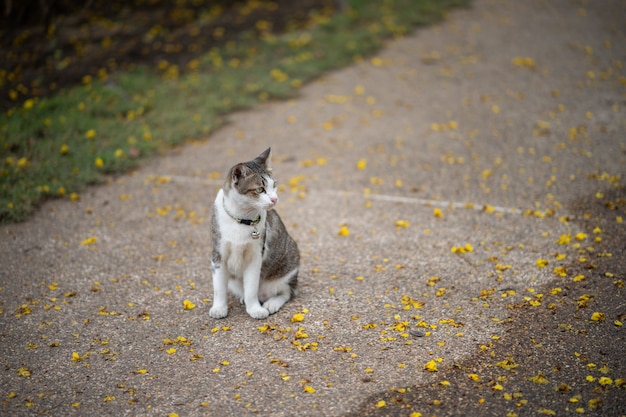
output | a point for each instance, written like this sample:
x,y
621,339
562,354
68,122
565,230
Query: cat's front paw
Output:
x,y
258,312
218,312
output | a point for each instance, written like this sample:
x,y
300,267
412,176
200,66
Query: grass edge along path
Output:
x,y
54,147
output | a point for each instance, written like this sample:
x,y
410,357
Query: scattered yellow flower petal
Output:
x,y
581,236
564,239
462,249
474,377
309,389
541,263
597,316
89,241
431,366
28,104
605,380
376,61
381,404
402,223
297,318
539,379
361,165
91,133
522,61
344,231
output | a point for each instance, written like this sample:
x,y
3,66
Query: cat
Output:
x,y
253,255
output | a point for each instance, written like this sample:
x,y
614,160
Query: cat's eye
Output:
x,y
260,190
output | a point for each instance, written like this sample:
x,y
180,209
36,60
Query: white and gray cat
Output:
x,y
253,255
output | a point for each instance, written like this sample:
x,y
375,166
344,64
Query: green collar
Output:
x,y
247,222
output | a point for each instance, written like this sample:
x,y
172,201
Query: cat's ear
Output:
x,y
238,172
265,159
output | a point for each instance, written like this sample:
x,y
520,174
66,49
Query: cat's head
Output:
x,y
251,184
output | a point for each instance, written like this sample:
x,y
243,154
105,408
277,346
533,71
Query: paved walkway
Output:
x,y
478,167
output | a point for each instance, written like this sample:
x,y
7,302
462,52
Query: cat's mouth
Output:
x,y
272,203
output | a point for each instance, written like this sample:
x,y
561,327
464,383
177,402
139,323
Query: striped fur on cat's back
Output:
x,y
253,255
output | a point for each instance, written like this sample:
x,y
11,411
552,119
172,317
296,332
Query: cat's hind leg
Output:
x,y
276,302
274,294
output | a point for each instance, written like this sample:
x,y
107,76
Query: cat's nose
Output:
x,y
273,200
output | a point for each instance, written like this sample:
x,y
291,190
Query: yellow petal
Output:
x,y
402,223
474,377
298,317
89,241
344,231
431,366
597,316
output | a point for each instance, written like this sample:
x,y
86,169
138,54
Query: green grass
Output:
x,y
54,147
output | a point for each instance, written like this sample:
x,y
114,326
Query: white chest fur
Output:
x,y
238,247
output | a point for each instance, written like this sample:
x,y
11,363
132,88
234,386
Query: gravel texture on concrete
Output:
x,y
458,201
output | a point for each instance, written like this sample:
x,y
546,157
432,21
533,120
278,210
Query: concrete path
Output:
x,y
476,171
